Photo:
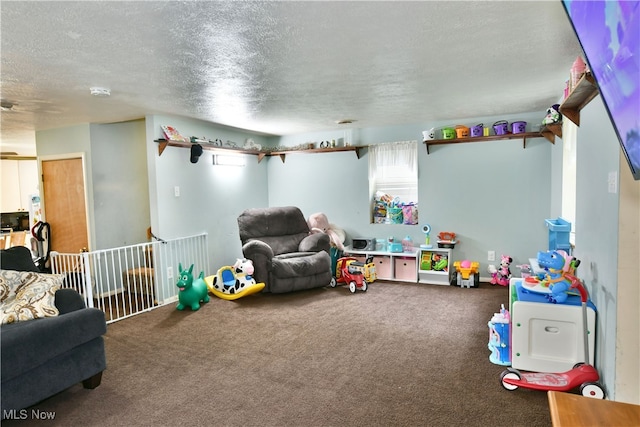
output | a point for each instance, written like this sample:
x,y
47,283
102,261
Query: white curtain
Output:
x,y
393,169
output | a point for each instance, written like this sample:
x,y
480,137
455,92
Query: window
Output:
x,y
393,182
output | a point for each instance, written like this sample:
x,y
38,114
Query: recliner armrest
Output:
x,y
260,254
315,243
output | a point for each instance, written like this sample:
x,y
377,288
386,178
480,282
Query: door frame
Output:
x,y
88,195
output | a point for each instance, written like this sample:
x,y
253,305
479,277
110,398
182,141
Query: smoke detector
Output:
x,y
100,91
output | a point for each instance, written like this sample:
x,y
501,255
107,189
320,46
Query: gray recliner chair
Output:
x,y
285,256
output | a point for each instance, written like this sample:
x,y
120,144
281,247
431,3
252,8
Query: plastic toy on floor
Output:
x,y
192,292
500,276
233,282
467,274
368,268
348,272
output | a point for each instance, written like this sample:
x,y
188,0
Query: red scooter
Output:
x,y
583,375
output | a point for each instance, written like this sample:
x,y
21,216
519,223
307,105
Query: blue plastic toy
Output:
x,y
559,278
192,292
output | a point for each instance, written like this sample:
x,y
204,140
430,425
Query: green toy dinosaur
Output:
x,y
192,292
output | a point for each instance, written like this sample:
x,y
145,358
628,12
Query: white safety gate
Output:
x,y
133,279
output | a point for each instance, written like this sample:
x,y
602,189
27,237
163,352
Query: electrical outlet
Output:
x,y
170,272
491,255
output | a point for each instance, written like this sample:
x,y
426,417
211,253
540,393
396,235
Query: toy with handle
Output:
x,y
582,375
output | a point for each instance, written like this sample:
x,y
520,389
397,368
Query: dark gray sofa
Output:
x,y
45,356
285,256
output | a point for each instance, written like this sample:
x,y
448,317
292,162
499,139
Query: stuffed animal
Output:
x,y
319,223
233,282
192,292
501,276
553,115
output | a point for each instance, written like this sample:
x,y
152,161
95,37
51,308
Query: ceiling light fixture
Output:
x,y
100,91
345,121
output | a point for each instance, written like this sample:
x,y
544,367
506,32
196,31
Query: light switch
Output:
x,y
176,191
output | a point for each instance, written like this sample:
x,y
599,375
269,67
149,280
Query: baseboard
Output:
x,y
109,293
170,300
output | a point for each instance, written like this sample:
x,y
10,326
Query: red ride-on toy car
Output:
x,y
349,274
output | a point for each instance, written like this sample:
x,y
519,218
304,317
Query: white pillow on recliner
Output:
x,y
27,295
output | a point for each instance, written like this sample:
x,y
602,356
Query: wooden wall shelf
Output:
x,y
585,90
283,154
162,144
522,136
550,131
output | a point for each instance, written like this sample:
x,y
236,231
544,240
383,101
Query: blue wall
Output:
x,y
493,194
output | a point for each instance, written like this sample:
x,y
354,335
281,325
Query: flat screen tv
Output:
x,y
609,33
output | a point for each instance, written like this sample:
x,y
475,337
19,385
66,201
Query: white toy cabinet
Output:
x,y
547,337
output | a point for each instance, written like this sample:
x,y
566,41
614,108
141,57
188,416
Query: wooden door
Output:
x,y
65,205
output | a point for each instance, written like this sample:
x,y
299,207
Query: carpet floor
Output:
x,y
397,355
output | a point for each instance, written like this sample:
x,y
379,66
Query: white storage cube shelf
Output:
x,y
426,271
395,266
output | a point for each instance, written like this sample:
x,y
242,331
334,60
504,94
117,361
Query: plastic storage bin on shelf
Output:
x,y
559,230
405,269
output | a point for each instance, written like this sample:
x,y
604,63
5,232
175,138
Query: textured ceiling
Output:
x,y
278,67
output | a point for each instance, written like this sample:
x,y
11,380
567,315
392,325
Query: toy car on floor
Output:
x,y
349,274
368,268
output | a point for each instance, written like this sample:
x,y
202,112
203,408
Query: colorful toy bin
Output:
x,y
462,131
518,127
477,130
448,133
501,127
395,215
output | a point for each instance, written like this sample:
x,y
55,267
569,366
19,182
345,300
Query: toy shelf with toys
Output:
x,y
434,266
396,266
